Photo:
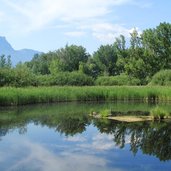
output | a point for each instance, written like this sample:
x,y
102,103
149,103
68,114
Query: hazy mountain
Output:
x,y
22,55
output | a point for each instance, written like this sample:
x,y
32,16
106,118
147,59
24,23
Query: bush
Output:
x,y
162,78
72,78
24,77
6,77
159,113
117,80
44,80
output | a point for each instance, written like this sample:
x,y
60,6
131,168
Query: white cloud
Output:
x,y
38,157
103,142
76,138
100,142
33,15
75,33
72,18
106,32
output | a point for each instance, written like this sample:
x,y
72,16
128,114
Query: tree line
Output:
x,y
133,62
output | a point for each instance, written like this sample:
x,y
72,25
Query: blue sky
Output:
x,y
46,25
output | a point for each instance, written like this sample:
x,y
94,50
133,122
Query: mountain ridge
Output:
x,y
21,55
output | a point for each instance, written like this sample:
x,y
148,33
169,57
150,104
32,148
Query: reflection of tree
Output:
x,y
158,142
71,126
151,138
7,126
66,123
3,131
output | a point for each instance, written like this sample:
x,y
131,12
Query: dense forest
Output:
x,y
144,59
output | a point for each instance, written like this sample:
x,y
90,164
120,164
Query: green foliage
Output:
x,y
117,80
5,62
122,53
7,77
137,68
105,113
157,43
61,60
68,58
23,76
90,68
31,95
162,78
136,64
44,80
105,58
40,63
72,78
135,40
159,113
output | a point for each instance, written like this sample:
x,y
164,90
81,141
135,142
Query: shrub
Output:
x,y
44,80
159,113
162,78
24,76
6,77
117,80
72,78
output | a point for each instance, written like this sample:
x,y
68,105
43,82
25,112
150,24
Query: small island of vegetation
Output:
x,y
156,113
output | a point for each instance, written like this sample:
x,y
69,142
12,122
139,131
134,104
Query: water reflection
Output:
x,y
63,137
153,138
38,157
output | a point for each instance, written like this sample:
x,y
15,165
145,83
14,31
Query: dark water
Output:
x,y
62,137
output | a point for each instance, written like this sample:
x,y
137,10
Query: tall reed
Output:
x,y
32,95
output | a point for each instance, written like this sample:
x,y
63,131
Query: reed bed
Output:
x,y
10,96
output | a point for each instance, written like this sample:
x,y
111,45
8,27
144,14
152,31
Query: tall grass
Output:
x,y
159,113
31,95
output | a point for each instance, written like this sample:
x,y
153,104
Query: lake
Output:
x,y
63,137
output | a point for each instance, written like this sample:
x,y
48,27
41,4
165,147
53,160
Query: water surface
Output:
x,y
62,137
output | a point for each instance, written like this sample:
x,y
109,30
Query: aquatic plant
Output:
x,y
105,113
158,113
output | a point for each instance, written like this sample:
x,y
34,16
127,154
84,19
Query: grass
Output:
x,y
159,113
10,96
105,113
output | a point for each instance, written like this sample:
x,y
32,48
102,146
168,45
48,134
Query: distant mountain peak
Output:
x,y
4,45
22,55
2,38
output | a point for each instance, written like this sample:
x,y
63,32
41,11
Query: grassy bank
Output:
x,y
31,95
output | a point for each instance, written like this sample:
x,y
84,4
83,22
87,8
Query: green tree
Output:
x,y
69,58
55,66
40,63
105,58
157,44
9,63
90,68
136,65
5,62
122,53
2,61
